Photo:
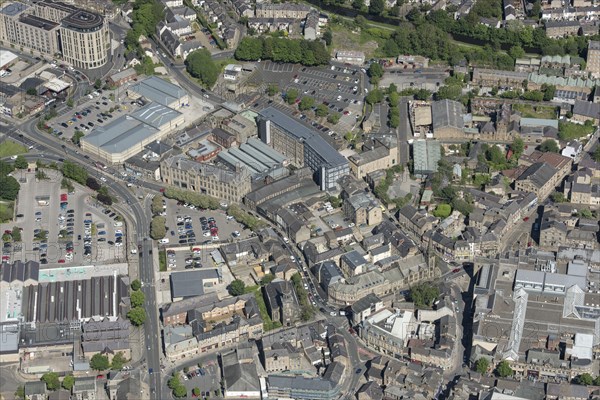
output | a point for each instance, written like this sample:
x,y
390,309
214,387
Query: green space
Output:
x,y
162,260
531,111
9,148
6,210
570,131
268,324
365,40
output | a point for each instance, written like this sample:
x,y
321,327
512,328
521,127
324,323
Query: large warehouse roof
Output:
x,y
158,90
6,57
155,115
121,134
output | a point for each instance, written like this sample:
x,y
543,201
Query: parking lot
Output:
x,y
59,227
97,111
205,378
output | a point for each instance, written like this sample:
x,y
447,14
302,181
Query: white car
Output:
x,y
164,241
119,231
206,234
103,179
215,238
133,251
119,244
180,219
223,204
123,174
172,265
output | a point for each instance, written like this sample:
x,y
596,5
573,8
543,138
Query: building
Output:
x,y
210,179
282,10
51,27
159,91
363,308
304,147
559,29
363,209
129,134
586,111
84,388
426,155
388,331
300,387
539,178
350,57
382,155
353,263
186,284
496,77
593,58
447,119
282,302
240,379
311,26
120,78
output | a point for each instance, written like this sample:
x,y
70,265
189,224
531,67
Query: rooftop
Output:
x,y
158,90
12,9
191,283
155,115
83,21
123,133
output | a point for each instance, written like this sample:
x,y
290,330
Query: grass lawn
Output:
x,y
6,210
364,41
9,148
162,260
530,111
570,131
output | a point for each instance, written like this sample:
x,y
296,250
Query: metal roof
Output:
x,y
155,115
158,90
266,150
190,283
121,134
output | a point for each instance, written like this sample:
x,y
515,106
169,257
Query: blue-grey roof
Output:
x,y
235,162
300,132
155,115
257,155
266,150
190,283
158,90
12,9
248,160
120,134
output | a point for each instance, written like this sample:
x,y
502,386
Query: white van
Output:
x,y
164,241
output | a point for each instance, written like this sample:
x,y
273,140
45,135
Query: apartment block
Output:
x,y
593,58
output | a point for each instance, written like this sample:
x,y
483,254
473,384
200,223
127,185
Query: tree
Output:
x,y
558,197
9,188
376,7
97,83
68,382
137,316
503,369
306,103
517,147
333,118
75,172
451,92
200,65
99,362
137,298
549,91
174,381
51,380
196,391
268,278
328,37
516,52
597,381
482,365
93,184
21,162
584,379
31,92
158,229
272,90
237,287
375,70
549,146
136,284
442,210
494,155
322,110
423,294
374,96
358,4
104,198
118,361
291,96
77,137
180,391
596,154
20,392
157,204
16,234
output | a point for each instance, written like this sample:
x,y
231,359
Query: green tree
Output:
x,y
423,294
558,197
180,391
328,37
452,92
375,70
584,379
77,137
272,90
516,52
549,91
137,298
157,204
268,278
51,380
306,103
549,146
16,234
75,172
495,156
68,382
442,210
482,365
503,369
517,147
31,92
137,316
597,381
237,287
21,162
200,65
322,111
596,154
9,188
97,83
376,7
20,392
136,284
291,95
196,391
157,228
174,381
99,362
333,118
70,102
374,96
249,49
118,361
358,4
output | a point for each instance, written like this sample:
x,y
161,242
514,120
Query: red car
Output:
x,y
162,190
63,197
61,261
526,219
100,377
455,270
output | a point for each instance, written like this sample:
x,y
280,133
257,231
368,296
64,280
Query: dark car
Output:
x,y
90,123
110,242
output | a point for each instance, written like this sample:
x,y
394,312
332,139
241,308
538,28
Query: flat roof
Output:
x,y
191,283
121,134
12,9
83,21
6,57
158,90
38,22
